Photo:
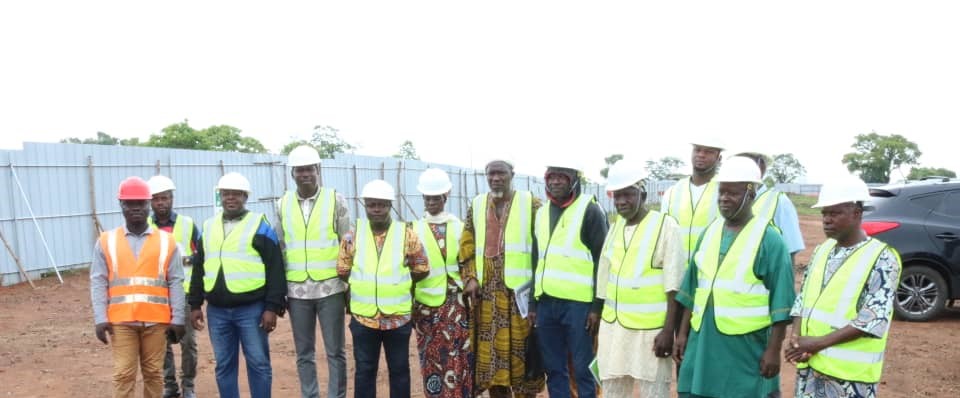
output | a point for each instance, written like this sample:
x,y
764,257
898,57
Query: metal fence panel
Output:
x,y
72,188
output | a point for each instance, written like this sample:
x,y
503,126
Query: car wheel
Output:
x,y
921,295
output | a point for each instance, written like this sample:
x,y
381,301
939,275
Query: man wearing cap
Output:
x,y
311,220
440,316
382,262
777,207
497,257
242,281
640,272
693,201
187,236
136,290
737,293
841,318
570,234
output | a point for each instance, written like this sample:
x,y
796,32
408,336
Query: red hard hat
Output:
x,y
134,188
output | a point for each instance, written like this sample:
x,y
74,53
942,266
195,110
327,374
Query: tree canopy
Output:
x,y
785,168
182,135
325,139
919,173
214,138
665,168
876,155
610,161
407,151
102,139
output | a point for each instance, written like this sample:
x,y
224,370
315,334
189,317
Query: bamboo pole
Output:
x,y
356,194
16,259
319,175
476,185
93,198
463,193
399,191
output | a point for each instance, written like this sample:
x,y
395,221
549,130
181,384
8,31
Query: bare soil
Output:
x,y
47,347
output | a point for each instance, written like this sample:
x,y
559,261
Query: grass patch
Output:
x,y
803,203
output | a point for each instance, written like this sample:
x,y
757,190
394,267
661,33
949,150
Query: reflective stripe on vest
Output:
x,y
380,282
635,293
432,290
183,234
565,264
242,266
693,218
832,307
517,239
310,249
740,300
137,284
765,206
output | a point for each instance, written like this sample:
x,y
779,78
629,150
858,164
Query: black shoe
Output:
x,y
171,393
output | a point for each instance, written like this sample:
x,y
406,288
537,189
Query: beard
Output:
x,y
497,194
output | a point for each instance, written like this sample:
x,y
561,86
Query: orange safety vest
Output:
x,y
138,290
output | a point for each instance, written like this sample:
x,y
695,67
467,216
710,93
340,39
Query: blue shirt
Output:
x,y
785,217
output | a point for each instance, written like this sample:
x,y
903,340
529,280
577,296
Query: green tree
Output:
x,y
610,161
665,168
213,138
785,168
325,139
407,151
919,173
876,155
102,139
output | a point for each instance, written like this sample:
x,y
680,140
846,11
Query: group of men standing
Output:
x,y
519,295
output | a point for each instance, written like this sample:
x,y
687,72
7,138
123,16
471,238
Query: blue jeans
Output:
x,y
366,352
562,333
231,329
304,314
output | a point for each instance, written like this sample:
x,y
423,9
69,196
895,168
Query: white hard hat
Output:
x,y
739,169
753,154
434,182
571,163
234,181
378,189
624,174
710,141
160,184
303,155
842,190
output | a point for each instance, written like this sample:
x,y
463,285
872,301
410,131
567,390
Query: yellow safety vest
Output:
x,y
311,249
243,269
832,307
182,234
380,282
564,264
517,238
635,293
765,206
431,291
692,217
741,303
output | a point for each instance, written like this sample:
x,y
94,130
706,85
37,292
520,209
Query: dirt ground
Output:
x,y
47,348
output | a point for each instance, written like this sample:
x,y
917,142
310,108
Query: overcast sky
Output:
x,y
469,81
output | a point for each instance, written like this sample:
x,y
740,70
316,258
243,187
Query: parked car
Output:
x,y
922,221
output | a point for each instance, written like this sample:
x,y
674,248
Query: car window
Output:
x,y
928,202
951,206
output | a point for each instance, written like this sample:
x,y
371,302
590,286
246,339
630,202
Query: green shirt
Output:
x,y
718,365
